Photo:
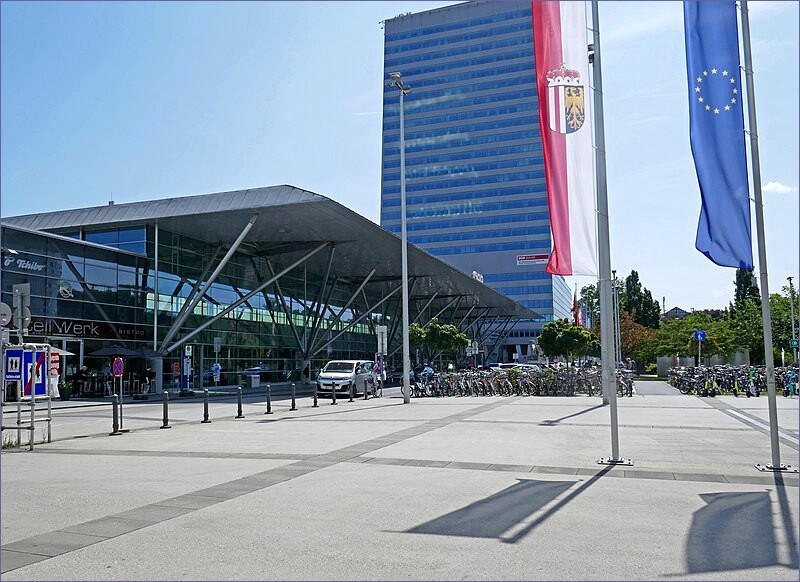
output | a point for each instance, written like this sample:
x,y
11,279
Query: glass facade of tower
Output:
x,y
475,186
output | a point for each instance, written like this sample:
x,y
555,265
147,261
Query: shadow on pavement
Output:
x,y
557,420
492,516
786,517
733,531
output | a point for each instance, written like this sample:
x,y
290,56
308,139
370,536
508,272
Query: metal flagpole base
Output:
x,y
610,461
780,469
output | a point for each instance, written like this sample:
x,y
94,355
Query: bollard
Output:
x,y
315,405
293,403
239,403
166,410
365,388
119,407
205,407
115,416
31,432
333,393
269,401
352,391
49,419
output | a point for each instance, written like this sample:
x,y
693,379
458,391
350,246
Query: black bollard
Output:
x,y
115,417
239,403
315,405
205,407
119,406
293,403
352,391
166,410
365,388
333,393
269,401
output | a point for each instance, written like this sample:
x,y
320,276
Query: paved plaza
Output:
x,y
492,488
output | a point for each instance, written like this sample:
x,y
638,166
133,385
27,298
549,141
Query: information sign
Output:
x,y
13,364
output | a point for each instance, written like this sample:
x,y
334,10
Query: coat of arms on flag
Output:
x,y
566,110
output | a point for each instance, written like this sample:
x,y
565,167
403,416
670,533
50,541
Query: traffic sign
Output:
x,y
700,335
117,367
27,373
794,343
5,314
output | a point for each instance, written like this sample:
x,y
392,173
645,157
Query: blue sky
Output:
x,y
155,100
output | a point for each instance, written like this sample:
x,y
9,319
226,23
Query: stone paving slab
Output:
x,y
443,489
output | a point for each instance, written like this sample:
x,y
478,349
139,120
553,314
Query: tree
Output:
x,y
639,302
676,337
634,337
746,288
437,338
561,338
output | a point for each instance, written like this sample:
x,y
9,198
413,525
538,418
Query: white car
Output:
x,y
340,375
521,367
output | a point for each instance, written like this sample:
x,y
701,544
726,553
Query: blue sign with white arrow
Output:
x,y
699,335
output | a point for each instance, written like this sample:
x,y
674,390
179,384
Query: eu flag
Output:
x,y
717,132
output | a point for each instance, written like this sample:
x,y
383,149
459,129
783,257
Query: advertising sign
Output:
x,y
539,259
186,369
381,331
55,364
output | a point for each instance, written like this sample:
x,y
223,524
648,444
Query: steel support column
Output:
x,y
188,310
339,315
355,321
252,293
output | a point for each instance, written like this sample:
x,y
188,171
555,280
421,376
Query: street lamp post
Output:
x,y
791,304
396,80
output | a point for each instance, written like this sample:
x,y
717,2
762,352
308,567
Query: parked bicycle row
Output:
x,y
750,381
565,381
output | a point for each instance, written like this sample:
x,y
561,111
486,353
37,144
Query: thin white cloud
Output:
x,y
778,188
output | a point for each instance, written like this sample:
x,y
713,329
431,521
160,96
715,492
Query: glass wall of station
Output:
x,y
86,297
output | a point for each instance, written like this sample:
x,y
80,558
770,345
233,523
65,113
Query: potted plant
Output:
x,y
65,390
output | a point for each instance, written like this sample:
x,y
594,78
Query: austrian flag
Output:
x,y
562,80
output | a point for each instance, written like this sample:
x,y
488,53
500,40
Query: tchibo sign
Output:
x,y
18,263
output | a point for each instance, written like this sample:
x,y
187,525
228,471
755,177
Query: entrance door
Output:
x,y
70,364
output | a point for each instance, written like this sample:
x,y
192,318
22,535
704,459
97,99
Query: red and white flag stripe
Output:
x,y
562,79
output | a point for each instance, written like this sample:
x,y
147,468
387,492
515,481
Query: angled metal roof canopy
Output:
x,y
291,221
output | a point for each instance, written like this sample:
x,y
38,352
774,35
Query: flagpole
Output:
x,y
604,250
762,252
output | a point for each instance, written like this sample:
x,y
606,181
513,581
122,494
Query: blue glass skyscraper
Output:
x,y
475,185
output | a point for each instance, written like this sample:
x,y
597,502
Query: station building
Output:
x,y
275,278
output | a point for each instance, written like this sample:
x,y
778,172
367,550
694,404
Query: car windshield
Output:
x,y
338,367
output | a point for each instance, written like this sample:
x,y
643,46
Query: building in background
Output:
x,y
475,184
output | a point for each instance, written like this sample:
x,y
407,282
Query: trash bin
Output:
x,y
255,381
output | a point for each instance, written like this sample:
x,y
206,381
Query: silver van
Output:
x,y
340,375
